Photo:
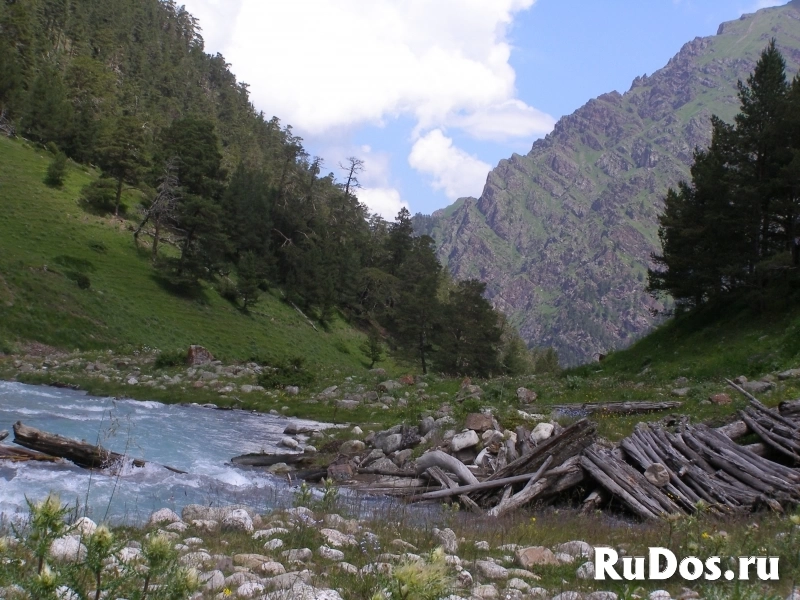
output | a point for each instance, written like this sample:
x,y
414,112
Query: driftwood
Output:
x,y
3,435
618,408
437,458
23,455
261,459
82,454
445,481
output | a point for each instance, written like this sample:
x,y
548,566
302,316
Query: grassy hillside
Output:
x,y
47,240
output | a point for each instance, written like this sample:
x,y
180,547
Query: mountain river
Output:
x,y
197,440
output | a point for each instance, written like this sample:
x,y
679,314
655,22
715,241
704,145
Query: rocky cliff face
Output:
x,y
563,235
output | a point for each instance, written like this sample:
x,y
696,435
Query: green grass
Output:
x,y
49,244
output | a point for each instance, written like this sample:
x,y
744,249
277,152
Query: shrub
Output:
x,y
57,170
290,372
170,358
100,195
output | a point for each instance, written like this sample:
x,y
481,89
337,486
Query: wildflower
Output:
x,y
795,519
227,592
705,535
533,520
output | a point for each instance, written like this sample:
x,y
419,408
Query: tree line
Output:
x,y
228,197
734,229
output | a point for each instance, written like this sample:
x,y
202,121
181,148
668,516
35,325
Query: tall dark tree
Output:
x,y
122,154
48,114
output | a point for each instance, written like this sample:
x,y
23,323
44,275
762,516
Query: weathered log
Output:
x,y
23,455
735,430
262,459
3,435
437,458
616,490
790,408
480,486
536,485
561,447
619,408
82,454
445,481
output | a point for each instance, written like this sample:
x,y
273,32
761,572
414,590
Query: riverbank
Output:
x,y
317,550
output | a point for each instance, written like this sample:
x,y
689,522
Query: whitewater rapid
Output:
x,y
194,439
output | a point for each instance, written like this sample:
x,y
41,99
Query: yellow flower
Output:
x,y
795,519
226,592
533,519
705,535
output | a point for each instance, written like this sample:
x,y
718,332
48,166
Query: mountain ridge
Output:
x,y
563,235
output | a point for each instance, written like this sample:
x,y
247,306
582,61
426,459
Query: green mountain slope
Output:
x,y
564,234
47,240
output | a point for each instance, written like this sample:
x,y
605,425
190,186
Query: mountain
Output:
x,y
563,235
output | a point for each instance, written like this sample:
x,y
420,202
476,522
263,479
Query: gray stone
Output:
x,y
213,580
447,538
660,595
657,474
347,404
790,374
352,447
426,425
602,596
542,432
680,392
195,559
389,385
758,387
535,555
330,553
237,520
337,538
292,390
68,548
297,555
290,443
585,571
491,570
466,439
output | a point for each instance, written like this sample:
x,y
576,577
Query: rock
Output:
x,y
478,422
447,538
272,568
342,472
163,515
290,443
195,559
237,520
205,524
518,584
535,555
251,561
485,592
660,595
291,390
352,447
378,372
330,554
389,385
249,589
491,570
304,591
389,443
657,474
538,593
274,544
337,538
681,382
720,399
385,464
758,387
402,457
296,429
84,526
68,549
213,580
483,545
467,439
127,555
585,571
526,396
790,374
347,404
681,392
357,431
568,596
197,355
177,526
542,432
132,381
564,559
297,555
575,548
426,425
602,596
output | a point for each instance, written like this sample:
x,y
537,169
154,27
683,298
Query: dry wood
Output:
x,y
790,408
3,435
23,455
82,454
445,481
735,430
616,490
619,408
533,488
489,484
437,458
770,440
261,459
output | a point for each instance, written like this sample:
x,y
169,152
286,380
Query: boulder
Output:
x,y
535,556
343,472
389,385
237,520
291,390
542,432
347,404
163,515
68,548
447,538
680,392
720,399
337,538
585,571
461,441
576,548
491,570
197,355
790,374
289,442
352,447
526,396
478,422
757,387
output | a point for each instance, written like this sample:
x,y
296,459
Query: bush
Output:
x,y
81,279
170,358
57,170
101,195
291,372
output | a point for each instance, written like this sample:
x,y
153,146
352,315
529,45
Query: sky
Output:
x,y
432,94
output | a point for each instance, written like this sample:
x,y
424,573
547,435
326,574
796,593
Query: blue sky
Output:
x,y
431,94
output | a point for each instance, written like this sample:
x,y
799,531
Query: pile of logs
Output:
x,y
653,473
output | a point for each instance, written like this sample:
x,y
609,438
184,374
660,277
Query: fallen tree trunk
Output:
x,y
83,454
437,458
23,455
619,408
260,459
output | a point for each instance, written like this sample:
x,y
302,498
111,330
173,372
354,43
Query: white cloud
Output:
x,y
384,201
326,64
509,119
454,171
